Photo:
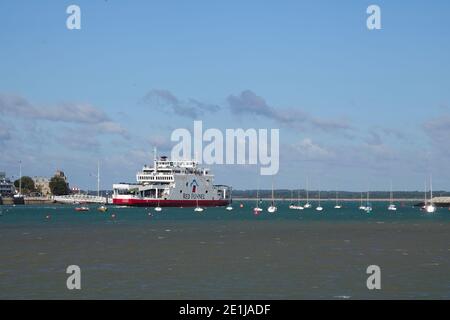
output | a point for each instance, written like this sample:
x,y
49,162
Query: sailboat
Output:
x,y
362,207
272,208
19,198
229,207
319,207
307,204
197,208
257,209
429,206
158,208
392,206
368,206
292,205
337,206
297,206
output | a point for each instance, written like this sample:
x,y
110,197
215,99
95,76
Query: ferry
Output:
x,y
170,183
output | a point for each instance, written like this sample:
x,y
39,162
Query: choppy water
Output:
x,y
219,254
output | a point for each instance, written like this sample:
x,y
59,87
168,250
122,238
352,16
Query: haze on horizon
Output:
x,y
355,108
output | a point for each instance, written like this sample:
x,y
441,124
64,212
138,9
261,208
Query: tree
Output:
x,y
27,184
59,186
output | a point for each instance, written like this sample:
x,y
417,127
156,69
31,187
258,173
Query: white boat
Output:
x,y
230,207
292,205
272,208
429,207
337,206
392,206
257,209
198,209
172,183
297,206
368,205
158,208
319,207
102,208
307,204
362,207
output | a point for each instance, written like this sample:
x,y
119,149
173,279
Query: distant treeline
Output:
x,y
284,193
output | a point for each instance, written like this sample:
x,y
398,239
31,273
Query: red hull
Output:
x,y
170,203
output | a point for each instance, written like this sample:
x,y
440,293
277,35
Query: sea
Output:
x,y
137,253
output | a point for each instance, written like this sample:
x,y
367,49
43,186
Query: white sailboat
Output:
x,y
158,208
272,208
362,207
337,206
429,206
257,209
19,198
368,208
292,205
392,206
319,207
197,208
297,206
230,207
307,204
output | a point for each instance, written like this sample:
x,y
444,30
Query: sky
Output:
x,y
356,108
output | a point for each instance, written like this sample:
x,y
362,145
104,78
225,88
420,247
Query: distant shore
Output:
x,y
331,199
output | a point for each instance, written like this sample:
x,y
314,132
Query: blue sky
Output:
x,y
367,106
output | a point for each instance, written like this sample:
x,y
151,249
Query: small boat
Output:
x,y
102,208
368,207
337,206
319,207
362,207
272,208
80,209
158,208
292,205
392,206
197,208
230,207
297,206
429,207
307,204
257,210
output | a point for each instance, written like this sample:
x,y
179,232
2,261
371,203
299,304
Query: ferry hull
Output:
x,y
169,203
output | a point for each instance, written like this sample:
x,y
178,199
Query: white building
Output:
x,y
6,186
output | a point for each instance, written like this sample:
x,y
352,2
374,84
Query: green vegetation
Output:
x,y
59,186
27,185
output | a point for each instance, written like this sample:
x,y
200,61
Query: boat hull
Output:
x,y
134,202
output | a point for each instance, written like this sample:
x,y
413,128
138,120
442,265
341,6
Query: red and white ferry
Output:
x,y
168,183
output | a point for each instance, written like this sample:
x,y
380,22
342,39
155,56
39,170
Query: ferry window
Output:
x,y
206,191
181,191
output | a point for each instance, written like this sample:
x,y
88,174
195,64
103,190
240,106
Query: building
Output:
x,y
61,174
42,185
6,186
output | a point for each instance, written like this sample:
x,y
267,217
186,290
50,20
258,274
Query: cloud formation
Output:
x,y
84,114
247,102
438,130
167,101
